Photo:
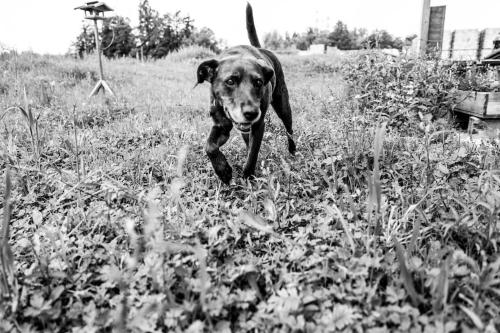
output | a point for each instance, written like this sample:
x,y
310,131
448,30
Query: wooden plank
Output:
x,y
472,102
475,115
493,104
424,27
494,62
436,28
94,18
480,104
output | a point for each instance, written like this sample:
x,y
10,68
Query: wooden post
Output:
x,y
424,27
98,49
102,84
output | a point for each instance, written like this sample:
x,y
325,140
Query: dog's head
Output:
x,y
239,84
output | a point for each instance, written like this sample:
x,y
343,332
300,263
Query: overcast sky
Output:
x,y
50,26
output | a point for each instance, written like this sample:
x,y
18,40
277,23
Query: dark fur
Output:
x,y
244,81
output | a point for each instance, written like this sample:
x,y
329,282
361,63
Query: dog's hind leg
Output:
x,y
281,105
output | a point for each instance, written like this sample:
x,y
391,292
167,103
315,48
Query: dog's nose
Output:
x,y
250,114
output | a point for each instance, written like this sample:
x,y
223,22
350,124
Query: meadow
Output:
x,y
386,219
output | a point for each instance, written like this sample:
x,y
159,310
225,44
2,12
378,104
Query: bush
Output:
x,y
476,78
398,89
192,52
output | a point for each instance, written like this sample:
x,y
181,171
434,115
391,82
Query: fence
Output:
x,y
469,44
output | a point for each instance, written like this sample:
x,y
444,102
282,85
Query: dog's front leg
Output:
x,y
256,136
219,136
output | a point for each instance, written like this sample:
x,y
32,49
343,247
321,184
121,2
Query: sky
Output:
x,y
51,26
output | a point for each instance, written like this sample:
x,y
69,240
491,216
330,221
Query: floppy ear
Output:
x,y
268,72
206,70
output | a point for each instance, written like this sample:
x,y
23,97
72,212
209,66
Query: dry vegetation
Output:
x,y
384,221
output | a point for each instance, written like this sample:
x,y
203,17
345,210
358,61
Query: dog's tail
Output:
x,y
252,33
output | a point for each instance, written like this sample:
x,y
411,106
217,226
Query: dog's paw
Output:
x,y
247,174
291,147
225,174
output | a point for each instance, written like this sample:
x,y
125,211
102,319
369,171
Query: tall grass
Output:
x,y
384,220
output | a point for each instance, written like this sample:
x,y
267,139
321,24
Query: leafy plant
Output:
x,y
385,220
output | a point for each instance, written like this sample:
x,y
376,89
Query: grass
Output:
x,y
118,222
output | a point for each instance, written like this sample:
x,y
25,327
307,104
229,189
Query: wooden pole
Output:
x,y
424,27
98,49
102,84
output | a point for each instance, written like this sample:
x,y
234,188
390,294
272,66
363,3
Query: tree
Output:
x,y
381,39
155,36
357,35
299,41
117,39
85,41
340,37
273,40
310,36
302,44
288,41
304,40
175,31
205,37
149,27
158,35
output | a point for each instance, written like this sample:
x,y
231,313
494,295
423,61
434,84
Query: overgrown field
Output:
x,y
387,219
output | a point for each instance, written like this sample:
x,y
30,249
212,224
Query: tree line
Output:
x,y
340,37
155,36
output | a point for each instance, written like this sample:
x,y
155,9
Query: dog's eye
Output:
x,y
258,83
230,82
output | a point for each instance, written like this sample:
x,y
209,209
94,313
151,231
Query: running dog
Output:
x,y
244,81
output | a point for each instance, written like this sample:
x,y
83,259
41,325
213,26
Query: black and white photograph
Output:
x,y
249,166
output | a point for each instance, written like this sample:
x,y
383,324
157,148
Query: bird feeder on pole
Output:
x,y
94,10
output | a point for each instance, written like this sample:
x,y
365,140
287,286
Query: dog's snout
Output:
x,y
250,114
249,111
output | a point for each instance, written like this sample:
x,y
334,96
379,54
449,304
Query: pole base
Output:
x,y
101,85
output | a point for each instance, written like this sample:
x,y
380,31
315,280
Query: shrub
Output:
x,y
190,53
396,90
476,78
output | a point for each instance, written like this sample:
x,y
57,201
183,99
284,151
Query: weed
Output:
x,y
385,220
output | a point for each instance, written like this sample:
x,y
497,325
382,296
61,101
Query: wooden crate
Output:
x,y
484,105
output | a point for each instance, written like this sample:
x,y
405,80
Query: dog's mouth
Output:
x,y
243,127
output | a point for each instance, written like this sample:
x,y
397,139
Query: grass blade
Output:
x,y
374,186
29,114
256,222
407,279
473,317
7,279
346,228
6,210
379,143
441,287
